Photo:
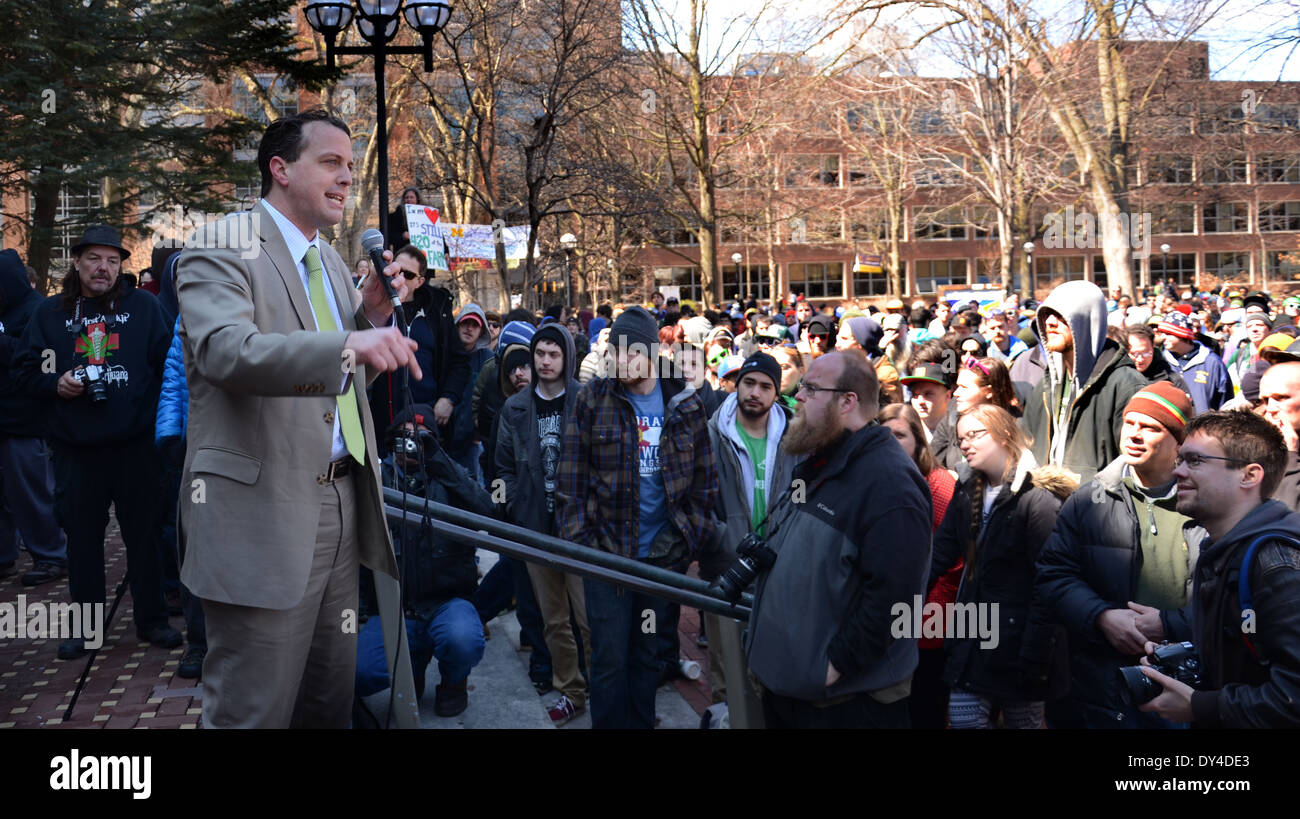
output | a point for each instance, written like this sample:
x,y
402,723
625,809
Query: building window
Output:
x,y
868,226
984,222
1277,169
817,280
284,99
1273,117
812,171
938,172
1225,217
1223,119
246,196
931,274
825,229
1279,216
1227,266
1174,268
1173,217
748,281
1283,264
1054,270
76,204
1228,171
1170,170
688,280
1099,275
859,173
930,121
870,284
938,223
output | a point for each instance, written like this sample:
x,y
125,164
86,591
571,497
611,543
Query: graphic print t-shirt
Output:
x,y
649,411
550,430
757,449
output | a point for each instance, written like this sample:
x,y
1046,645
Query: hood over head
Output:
x,y
559,334
472,309
1083,306
14,285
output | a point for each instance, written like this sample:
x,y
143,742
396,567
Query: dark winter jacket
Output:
x,y
129,339
1026,371
434,568
442,358
20,412
1240,691
1160,370
736,481
1204,377
464,431
1091,563
944,446
518,447
598,496
1029,661
857,545
1101,383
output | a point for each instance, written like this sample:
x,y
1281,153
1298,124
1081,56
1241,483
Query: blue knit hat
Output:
x,y
516,332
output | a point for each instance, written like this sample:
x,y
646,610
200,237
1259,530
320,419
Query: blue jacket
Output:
x,y
1205,376
174,402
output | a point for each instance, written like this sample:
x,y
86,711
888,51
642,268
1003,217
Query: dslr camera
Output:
x,y
752,556
91,377
1177,660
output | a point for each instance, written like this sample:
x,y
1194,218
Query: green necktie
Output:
x,y
349,416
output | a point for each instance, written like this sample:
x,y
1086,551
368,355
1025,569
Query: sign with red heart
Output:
x,y
432,213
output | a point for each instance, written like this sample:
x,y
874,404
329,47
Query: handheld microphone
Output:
x,y
372,242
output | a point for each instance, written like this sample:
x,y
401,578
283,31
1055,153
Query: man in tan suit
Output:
x,y
281,496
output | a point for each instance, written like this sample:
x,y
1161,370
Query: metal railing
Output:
x,y
525,544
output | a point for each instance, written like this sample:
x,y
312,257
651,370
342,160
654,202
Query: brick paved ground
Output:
x,y
133,684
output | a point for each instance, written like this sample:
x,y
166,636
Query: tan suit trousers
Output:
x,y
296,667
556,591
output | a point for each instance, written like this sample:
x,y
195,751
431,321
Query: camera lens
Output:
x,y
1137,688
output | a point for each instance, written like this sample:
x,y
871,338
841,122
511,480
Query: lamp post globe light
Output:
x,y
378,22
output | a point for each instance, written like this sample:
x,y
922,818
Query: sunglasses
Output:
x,y
409,275
494,325
822,336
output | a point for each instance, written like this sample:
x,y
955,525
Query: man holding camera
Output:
x,y
439,575
95,354
1246,587
851,540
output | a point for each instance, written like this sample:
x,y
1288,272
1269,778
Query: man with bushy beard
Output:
x,y
851,538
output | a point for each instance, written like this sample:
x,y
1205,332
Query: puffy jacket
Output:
x,y
1204,377
857,545
1102,381
519,448
20,411
1029,660
1240,691
736,481
598,496
174,400
1091,563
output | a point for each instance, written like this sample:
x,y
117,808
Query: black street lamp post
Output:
x,y
378,21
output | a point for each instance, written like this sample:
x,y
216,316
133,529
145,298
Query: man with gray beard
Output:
x,y
851,539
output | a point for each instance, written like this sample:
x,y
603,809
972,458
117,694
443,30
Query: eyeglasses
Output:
x,y
813,389
972,436
1195,459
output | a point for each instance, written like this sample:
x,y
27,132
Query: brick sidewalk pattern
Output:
x,y
134,685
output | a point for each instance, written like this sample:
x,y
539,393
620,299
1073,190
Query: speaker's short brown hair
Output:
x,y
1245,437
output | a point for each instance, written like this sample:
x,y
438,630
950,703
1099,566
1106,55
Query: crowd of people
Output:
x,y
1049,491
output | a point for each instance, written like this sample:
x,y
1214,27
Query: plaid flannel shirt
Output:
x,y
598,488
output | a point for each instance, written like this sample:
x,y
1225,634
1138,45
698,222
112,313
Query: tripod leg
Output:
x,y
117,599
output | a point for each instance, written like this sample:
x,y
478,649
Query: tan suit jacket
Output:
x,y
263,390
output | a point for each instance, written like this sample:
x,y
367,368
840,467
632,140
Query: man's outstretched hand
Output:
x,y
383,349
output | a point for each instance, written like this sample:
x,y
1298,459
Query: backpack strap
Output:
x,y
1244,598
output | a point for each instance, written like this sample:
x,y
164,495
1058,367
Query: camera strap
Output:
x,y
1244,598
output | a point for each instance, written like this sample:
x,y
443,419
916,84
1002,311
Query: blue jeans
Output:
x,y
454,636
625,655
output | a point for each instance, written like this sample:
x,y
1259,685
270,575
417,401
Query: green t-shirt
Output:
x,y
757,449
1163,580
